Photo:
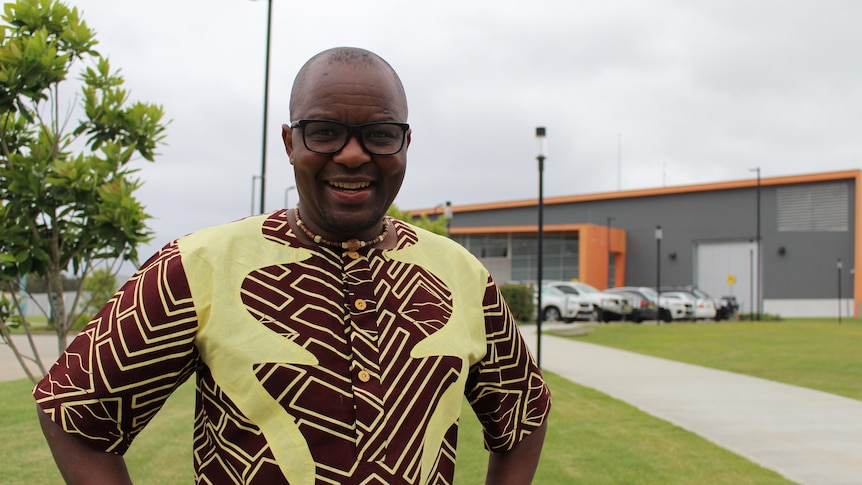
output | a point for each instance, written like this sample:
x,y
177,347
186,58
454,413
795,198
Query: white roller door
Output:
x,y
717,264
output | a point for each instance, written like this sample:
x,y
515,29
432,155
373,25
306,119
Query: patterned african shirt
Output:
x,y
313,365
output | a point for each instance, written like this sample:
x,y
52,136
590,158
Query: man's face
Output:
x,y
345,195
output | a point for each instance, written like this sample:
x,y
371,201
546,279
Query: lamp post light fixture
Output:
x,y
540,136
658,236
840,266
447,213
757,243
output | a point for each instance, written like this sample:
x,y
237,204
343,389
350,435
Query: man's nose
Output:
x,y
353,154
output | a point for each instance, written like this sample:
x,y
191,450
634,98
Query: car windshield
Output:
x,y
587,288
550,290
567,289
649,292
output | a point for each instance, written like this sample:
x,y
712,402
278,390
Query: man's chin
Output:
x,y
354,224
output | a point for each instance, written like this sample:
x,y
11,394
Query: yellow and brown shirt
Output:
x,y
312,365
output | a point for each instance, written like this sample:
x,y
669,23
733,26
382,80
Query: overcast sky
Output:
x,y
634,93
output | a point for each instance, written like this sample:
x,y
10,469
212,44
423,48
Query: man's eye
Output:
x,y
321,133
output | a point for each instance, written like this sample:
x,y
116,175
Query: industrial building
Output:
x,y
788,243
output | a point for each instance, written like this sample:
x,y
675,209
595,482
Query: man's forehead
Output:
x,y
357,72
374,79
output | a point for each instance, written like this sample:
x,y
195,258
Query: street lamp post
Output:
x,y
610,255
840,266
751,284
265,108
757,242
253,180
447,213
540,136
287,191
658,236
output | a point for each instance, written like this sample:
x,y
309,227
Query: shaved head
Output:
x,y
343,56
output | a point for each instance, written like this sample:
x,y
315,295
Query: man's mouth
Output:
x,y
350,186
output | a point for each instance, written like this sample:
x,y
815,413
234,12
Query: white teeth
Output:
x,y
350,186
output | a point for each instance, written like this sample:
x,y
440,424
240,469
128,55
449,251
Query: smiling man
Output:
x,y
330,344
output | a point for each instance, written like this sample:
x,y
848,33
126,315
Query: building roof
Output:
x,y
630,194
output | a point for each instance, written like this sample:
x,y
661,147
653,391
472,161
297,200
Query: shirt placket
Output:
x,y
365,369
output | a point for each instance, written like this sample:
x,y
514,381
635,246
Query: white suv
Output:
x,y
605,306
559,306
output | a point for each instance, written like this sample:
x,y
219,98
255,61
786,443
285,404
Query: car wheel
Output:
x,y
552,314
665,316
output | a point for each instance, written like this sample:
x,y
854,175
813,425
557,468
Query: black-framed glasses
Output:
x,y
377,138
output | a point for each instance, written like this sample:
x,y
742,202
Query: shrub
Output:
x,y
520,301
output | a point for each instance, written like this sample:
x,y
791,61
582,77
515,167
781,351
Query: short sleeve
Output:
x,y
118,372
506,389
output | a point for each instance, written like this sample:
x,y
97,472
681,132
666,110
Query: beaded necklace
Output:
x,y
350,245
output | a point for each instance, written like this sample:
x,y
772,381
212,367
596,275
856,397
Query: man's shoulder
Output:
x,y
437,247
428,238
238,228
223,237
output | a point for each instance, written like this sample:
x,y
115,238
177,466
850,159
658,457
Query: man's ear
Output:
x,y
287,136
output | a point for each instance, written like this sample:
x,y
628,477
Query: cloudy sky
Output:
x,y
634,93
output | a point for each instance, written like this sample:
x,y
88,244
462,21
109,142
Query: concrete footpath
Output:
x,y
808,436
46,346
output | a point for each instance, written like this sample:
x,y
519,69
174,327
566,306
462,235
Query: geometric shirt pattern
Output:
x,y
312,365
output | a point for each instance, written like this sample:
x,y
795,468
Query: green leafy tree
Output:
x,y
68,191
437,226
99,287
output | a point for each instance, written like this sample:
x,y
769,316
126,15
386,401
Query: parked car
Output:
x,y
669,308
642,308
605,307
704,307
728,307
559,306
725,307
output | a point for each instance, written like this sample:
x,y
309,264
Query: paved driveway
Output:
x,y
10,369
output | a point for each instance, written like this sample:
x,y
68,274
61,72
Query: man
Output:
x,y
330,343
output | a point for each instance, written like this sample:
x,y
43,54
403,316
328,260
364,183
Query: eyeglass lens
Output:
x,y
330,137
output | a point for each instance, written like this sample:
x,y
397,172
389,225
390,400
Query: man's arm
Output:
x,y
78,463
518,465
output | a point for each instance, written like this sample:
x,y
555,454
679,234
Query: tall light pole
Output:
x,y
447,213
253,184
540,136
610,255
751,284
757,242
265,109
287,191
658,236
840,266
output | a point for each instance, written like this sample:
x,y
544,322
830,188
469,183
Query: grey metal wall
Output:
x,y
807,269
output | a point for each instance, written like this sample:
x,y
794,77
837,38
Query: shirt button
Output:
x,y
360,305
364,376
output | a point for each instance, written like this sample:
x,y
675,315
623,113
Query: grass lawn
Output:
x,y
593,439
814,353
